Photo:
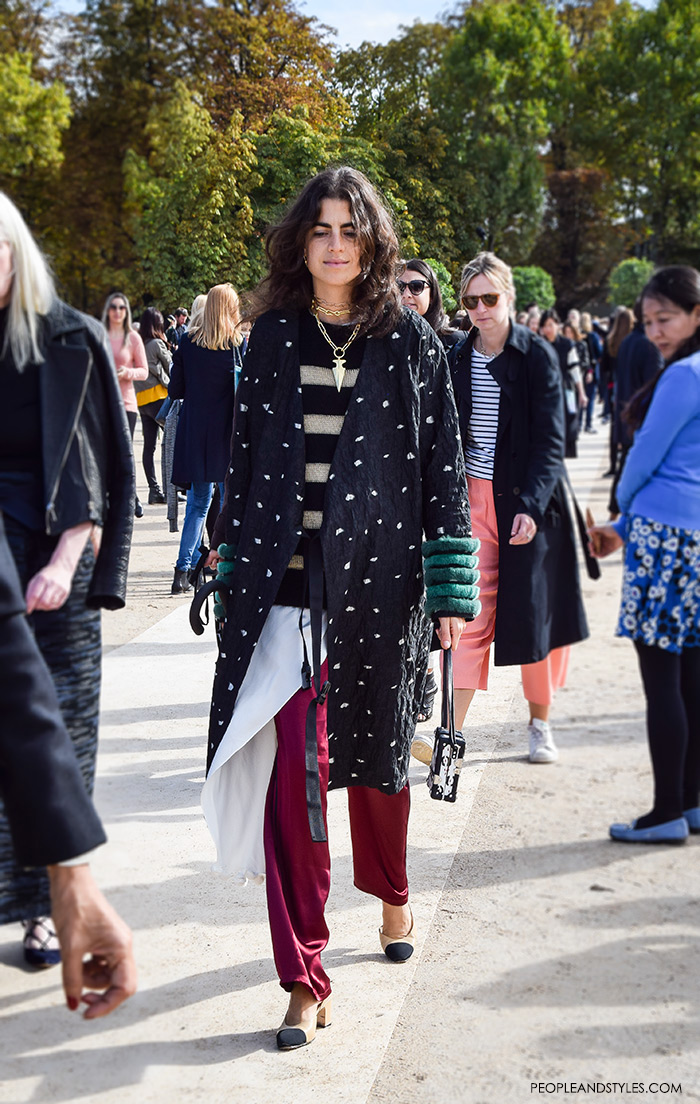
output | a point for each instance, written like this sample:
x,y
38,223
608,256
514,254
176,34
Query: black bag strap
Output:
x,y
448,695
314,565
592,565
200,598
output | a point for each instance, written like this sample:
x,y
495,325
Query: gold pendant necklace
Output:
x,y
339,351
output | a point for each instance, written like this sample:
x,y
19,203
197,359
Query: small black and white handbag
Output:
x,y
448,750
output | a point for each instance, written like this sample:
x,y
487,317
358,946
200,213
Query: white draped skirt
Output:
x,y
233,798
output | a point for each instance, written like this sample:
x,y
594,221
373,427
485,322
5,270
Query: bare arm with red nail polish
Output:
x,y
86,924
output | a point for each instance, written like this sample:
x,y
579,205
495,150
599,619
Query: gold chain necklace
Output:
x,y
334,312
339,351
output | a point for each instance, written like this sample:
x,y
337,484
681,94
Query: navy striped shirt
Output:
x,y
480,448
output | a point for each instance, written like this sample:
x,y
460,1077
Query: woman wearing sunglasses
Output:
x,y
344,451
420,291
511,412
129,357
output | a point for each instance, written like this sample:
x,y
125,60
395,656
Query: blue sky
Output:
x,y
362,20
379,20
370,20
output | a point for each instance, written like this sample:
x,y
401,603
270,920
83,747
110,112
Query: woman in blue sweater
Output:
x,y
659,496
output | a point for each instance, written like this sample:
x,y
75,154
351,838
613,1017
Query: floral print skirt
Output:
x,y
661,586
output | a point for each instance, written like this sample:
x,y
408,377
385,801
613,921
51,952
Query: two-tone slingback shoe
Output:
x,y
401,948
293,1036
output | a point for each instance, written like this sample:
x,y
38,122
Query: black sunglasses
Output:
x,y
414,286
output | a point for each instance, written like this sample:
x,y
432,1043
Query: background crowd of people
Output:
x,y
294,443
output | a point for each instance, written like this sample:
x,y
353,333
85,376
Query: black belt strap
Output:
x,y
314,567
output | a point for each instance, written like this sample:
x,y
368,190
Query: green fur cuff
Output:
x,y
452,561
225,569
444,592
227,551
467,576
465,546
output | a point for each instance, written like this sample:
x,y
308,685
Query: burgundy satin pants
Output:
x,y
298,871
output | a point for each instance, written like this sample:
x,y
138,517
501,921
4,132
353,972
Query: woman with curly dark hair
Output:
x,y
345,449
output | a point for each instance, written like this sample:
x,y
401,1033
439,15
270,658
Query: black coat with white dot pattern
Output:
x,y
398,471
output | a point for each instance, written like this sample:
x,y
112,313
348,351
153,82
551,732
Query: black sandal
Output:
x,y
429,691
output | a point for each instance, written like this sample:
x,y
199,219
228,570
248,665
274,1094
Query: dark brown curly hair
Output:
x,y
289,283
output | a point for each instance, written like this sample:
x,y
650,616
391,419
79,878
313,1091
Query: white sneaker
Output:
x,y
422,748
542,746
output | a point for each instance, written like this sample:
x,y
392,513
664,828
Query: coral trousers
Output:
x,y
471,660
298,870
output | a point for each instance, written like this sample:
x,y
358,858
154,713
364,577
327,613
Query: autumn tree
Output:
x,y
257,57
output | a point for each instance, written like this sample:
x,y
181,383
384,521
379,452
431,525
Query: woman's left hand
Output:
x,y
49,588
449,631
523,529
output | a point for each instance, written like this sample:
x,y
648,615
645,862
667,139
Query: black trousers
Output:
x,y
69,640
672,689
150,428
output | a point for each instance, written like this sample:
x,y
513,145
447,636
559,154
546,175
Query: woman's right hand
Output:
x,y
213,559
604,540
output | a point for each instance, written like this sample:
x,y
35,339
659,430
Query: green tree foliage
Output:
x,y
533,285
383,83
388,90
33,115
627,280
189,205
643,119
290,151
449,299
496,87
562,134
24,27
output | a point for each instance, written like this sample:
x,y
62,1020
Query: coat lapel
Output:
x,y
62,391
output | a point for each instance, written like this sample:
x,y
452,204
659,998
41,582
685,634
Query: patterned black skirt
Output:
x,y
661,586
70,642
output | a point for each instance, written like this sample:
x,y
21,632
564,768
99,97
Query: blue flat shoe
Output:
x,y
693,818
671,831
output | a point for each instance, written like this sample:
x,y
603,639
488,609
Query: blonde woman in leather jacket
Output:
x,y
67,494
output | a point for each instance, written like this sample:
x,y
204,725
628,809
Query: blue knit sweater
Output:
x,y
661,476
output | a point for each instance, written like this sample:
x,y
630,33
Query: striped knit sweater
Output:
x,y
324,413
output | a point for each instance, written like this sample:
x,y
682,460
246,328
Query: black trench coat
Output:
x,y
539,603
398,470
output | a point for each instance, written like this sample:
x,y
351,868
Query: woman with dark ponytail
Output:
x,y
659,496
